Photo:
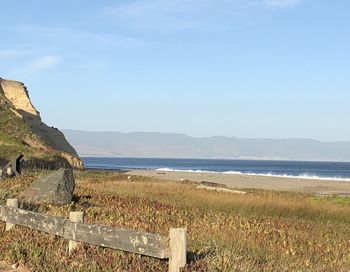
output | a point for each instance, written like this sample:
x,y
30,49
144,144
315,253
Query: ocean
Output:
x,y
291,169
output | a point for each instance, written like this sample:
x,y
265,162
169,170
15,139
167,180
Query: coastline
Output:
x,y
242,181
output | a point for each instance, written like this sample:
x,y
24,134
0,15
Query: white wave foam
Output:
x,y
233,173
303,176
187,171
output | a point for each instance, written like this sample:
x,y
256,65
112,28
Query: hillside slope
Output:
x,y
22,131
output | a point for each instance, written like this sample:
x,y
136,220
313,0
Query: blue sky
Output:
x,y
244,68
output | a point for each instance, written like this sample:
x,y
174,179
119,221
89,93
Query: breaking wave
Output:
x,y
187,171
301,176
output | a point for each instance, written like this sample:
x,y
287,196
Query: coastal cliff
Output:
x,y
22,130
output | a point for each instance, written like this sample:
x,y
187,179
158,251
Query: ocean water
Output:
x,y
292,169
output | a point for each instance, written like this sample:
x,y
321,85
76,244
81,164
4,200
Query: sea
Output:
x,y
290,169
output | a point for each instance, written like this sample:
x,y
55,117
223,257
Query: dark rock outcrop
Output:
x,y
12,168
56,188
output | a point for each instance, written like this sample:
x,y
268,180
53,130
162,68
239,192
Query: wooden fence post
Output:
x,y
14,204
177,246
75,217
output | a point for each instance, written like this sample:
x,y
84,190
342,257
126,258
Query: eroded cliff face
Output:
x,y
43,137
17,93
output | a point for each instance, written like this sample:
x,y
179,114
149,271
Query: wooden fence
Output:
x,y
75,230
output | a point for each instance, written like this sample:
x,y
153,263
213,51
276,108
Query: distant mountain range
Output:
x,y
173,145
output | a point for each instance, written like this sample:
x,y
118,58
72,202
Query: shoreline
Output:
x,y
244,181
305,177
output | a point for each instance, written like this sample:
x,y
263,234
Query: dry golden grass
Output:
x,y
260,231
185,194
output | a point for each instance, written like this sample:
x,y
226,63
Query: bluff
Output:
x,y
22,131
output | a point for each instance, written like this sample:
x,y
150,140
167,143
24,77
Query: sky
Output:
x,y
240,68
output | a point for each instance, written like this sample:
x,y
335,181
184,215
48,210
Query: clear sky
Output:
x,y
244,68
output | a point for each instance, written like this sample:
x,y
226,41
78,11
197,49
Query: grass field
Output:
x,y
259,231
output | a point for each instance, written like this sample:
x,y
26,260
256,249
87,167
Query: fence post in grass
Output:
x,y
14,204
75,217
177,246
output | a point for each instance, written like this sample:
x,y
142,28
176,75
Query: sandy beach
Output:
x,y
256,182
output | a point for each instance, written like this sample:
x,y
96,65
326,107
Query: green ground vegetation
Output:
x,y
14,132
259,231
14,135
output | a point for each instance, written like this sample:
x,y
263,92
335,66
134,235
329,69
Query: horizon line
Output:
x,y
213,136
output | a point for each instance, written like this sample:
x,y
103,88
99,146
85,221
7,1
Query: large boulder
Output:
x,y
56,188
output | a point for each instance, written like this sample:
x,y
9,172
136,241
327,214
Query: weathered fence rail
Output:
x,y
172,247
